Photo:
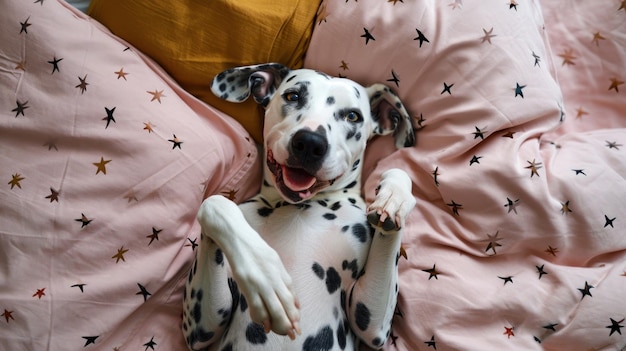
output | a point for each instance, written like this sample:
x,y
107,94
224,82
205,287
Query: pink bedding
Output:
x,y
518,241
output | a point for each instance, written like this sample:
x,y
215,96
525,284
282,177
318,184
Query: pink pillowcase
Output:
x,y
104,163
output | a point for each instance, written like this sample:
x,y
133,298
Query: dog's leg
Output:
x,y
209,296
372,301
256,267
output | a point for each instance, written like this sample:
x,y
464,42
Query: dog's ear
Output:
x,y
236,84
390,116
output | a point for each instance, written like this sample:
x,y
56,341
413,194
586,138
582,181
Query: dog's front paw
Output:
x,y
394,200
264,281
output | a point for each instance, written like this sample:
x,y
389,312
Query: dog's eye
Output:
x,y
352,116
291,96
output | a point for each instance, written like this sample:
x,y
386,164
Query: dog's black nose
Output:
x,y
308,146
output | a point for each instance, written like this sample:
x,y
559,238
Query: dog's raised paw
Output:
x,y
394,200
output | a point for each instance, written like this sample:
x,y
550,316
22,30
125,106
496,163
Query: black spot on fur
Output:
x,y
362,316
336,206
345,228
196,313
351,185
341,336
330,216
243,303
318,270
227,347
265,211
219,257
255,334
360,232
323,341
199,335
322,203
291,78
352,265
333,280
330,100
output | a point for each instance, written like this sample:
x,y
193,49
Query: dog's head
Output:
x,y
316,126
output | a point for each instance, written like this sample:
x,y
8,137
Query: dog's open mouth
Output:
x,y
294,183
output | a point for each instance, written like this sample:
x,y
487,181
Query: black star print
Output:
x,y
508,279
394,79
586,290
83,84
393,338
143,291
25,26
431,342
154,235
613,145
21,106
432,271
615,326
109,116
512,205
541,271
513,5
150,344
55,64
475,159
455,207
84,220
40,1
537,59
579,171
447,88
608,221
176,142
421,37
192,243
420,122
90,339
80,286
367,36
518,90
479,133
551,326
435,175
54,195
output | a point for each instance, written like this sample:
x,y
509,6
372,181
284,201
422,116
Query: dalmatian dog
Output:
x,y
305,264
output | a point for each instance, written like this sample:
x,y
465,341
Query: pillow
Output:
x,y
195,40
104,164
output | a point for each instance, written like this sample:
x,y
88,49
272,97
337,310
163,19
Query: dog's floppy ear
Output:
x,y
390,116
236,84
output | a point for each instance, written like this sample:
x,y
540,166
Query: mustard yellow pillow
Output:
x,y
195,40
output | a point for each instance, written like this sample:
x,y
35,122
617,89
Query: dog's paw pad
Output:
x,y
374,218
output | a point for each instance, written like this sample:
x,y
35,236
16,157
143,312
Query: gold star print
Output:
x,y
403,252
568,57
15,180
230,195
156,95
7,315
130,195
615,83
54,195
565,207
488,35
120,254
322,14
509,332
597,37
83,84
101,165
39,293
533,166
21,65
148,126
121,73
344,65
580,112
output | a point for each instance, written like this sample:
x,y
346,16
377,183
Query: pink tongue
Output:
x,y
297,179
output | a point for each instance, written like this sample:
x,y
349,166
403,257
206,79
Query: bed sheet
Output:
x,y
518,240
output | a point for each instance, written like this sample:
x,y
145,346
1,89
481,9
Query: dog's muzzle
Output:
x,y
296,179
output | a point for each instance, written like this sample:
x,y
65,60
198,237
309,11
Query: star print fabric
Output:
x,y
97,203
519,180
